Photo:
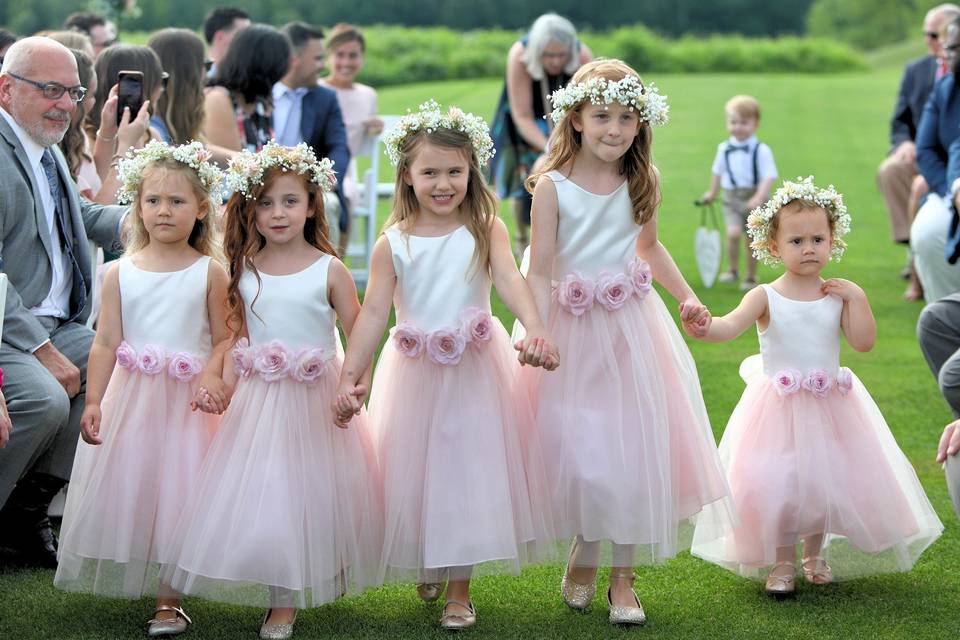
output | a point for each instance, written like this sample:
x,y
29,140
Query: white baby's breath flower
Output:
x,y
130,168
429,118
247,168
628,91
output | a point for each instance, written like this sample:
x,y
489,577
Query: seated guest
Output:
x,y
219,28
102,32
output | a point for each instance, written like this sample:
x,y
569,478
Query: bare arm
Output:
x,y
665,271
103,356
752,308
219,123
856,319
711,194
342,293
762,194
545,220
211,382
520,96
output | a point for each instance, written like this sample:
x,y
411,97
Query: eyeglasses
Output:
x,y
164,80
933,35
54,90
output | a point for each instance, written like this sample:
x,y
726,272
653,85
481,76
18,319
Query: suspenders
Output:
x,y
726,162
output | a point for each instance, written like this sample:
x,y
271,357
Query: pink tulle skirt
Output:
x,y
126,495
288,507
800,466
464,482
627,442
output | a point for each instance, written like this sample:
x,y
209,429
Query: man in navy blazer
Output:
x,y
897,177
306,112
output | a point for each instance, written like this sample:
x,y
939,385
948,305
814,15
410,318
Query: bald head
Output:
x,y
36,54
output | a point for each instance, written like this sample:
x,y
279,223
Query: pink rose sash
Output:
x,y
816,381
153,360
274,361
446,345
577,293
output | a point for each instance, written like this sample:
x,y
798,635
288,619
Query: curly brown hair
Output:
x,y
242,242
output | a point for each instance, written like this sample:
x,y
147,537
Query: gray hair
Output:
x,y
548,28
946,12
19,57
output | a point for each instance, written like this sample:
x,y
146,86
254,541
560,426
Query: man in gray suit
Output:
x,y
44,226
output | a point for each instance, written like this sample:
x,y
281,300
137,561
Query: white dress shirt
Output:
x,y
741,162
57,302
287,113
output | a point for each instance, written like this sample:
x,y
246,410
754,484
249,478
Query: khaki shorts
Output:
x,y
735,206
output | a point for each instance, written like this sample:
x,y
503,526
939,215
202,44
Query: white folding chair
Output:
x,y
363,236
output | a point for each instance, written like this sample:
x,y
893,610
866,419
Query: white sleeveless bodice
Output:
x,y
801,335
594,232
166,309
436,278
293,309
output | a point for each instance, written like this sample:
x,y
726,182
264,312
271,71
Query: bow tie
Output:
x,y
739,147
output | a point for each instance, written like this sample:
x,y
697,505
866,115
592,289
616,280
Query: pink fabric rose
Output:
x,y
127,356
575,293
476,325
641,277
786,382
184,366
818,382
409,340
310,365
844,381
152,360
613,290
243,358
272,361
445,346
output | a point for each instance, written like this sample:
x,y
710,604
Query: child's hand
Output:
x,y
949,441
211,396
349,402
844,289
90,424
692,310
538,351
699,328
754,202
708,197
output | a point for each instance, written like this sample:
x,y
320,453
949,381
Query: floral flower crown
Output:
x,y
247,168
628,91
130,168
758,222
429,118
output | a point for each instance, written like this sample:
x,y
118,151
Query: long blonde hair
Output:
x,y
480,204
135,236
643,180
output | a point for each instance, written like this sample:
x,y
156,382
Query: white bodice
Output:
x,y
801,335
166,308
594,232
436,278
293,309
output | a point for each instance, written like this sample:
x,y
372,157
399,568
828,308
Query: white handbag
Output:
x,y
706,244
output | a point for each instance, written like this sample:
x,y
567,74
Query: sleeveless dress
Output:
x,y
808,452
463,477
127,493
287,510
625,435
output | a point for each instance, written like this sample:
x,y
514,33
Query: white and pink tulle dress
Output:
x,y
807,452
288,507
464,481
625,435
126,494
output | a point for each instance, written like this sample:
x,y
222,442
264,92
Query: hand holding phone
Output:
x,y
129,93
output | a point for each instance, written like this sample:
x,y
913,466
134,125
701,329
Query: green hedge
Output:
x,y
398,55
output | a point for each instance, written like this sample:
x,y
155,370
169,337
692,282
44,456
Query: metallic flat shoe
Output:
x,y
816,570
429,591
281,631
781,586
458,621
577,596
171,627
626,615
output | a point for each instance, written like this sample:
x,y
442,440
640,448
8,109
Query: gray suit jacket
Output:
x,y
25,243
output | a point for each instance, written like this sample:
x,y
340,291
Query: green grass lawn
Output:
x,y
834,127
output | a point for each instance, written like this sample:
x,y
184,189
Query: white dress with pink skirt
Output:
x,y
288,509
627,442
126,494
464,481
807,452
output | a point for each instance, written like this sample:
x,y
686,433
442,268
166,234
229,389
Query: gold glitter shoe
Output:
x,y
281,631
429,591
626,615
577,596
458,621
781,586
170,626
816,570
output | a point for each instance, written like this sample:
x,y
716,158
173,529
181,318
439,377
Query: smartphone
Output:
x,y
130,93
